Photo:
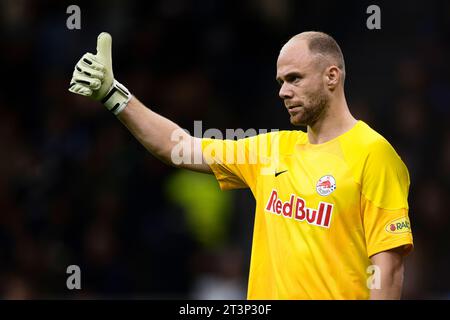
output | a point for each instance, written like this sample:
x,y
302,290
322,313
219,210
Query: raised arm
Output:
x,y
93,77
163,138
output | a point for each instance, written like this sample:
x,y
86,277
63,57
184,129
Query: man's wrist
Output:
x,y
117,98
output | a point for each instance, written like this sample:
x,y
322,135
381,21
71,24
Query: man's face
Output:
x,y
301,78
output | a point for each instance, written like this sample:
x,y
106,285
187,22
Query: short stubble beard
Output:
x,y
313,110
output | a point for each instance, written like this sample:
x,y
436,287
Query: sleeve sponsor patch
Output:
x,y
399,225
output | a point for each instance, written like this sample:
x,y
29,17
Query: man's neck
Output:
x,y
336,121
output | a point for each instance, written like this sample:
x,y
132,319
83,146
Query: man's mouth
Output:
x,y
294,108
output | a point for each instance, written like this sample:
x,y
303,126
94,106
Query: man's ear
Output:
x,y
333,75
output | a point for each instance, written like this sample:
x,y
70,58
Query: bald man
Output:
x,y
331,218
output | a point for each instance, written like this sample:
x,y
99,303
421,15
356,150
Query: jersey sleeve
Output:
x,y
384,200
233,162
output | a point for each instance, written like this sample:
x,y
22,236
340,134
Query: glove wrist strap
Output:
x,y
117,98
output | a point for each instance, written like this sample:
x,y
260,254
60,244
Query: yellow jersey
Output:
x,y
322,210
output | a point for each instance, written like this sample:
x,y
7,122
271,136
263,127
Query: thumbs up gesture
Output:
x,y
93,77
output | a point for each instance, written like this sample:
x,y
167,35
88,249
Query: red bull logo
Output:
x,y
326,185
296,209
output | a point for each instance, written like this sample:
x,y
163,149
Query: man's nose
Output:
x,y
285,92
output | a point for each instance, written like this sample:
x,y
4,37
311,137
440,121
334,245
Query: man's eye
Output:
x,y
293,79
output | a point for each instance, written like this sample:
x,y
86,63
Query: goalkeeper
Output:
x,y
331,218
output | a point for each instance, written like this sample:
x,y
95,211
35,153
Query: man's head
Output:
x,y
311,73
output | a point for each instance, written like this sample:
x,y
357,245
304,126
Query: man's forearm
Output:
x,y
159,136
390,289
391,268
152,130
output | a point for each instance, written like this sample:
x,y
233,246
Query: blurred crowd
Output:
x,y
77,189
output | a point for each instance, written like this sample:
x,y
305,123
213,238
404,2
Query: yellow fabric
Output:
x,y
308,245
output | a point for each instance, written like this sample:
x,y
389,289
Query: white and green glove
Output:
x,y
93,77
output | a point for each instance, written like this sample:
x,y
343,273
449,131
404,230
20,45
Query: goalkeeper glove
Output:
x,y
93,77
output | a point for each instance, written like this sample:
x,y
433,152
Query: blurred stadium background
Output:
x,y
76,188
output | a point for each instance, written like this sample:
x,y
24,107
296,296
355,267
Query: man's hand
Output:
x,y
93,77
